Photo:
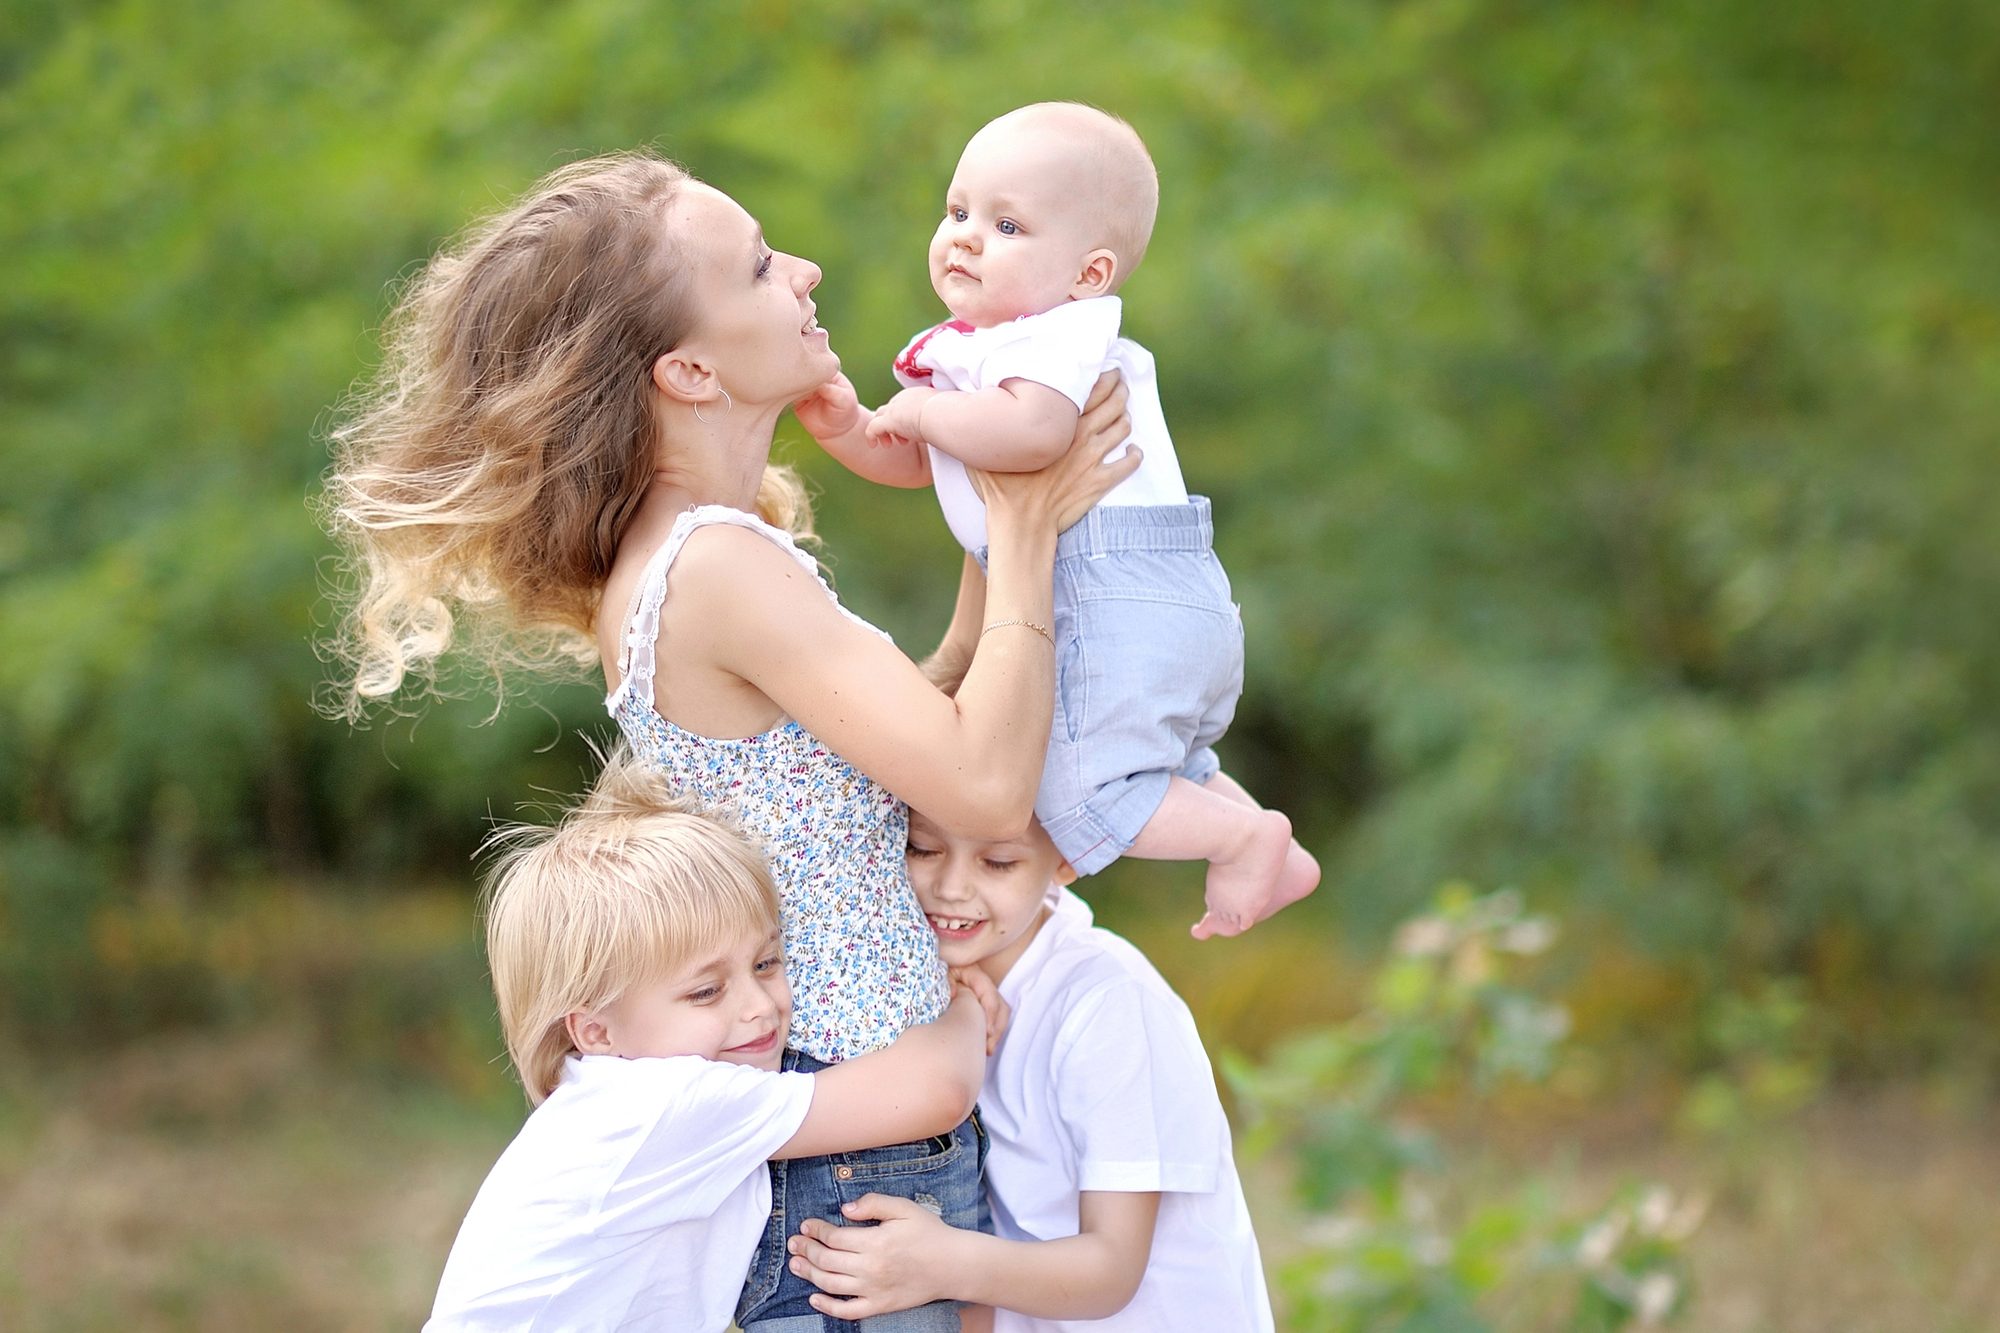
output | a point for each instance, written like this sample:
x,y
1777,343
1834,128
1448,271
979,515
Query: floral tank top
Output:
x,y
862,960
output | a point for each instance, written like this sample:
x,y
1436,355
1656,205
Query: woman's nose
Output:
x,y
808,277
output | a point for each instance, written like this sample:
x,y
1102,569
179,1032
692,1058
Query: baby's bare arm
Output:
x,y
1020,426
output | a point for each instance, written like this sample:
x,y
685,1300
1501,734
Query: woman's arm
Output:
x,y
922,1085
946,667
912,1258
972,762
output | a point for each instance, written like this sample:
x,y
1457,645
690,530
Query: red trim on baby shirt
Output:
x,y
906,364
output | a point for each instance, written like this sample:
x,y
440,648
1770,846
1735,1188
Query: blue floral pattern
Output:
x,y
862,959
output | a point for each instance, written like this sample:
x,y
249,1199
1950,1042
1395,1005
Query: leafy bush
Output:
x,y
1393,1242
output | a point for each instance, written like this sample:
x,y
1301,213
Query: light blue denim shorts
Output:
x,y
1150,660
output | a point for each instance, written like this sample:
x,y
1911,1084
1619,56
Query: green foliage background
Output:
x,y
1598,400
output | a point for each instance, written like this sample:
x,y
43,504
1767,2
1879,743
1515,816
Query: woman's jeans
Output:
x,y
944,1174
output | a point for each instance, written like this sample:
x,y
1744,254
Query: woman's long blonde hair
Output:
x,y
626,888
488,470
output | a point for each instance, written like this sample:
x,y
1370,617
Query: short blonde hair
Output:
x,y
627,886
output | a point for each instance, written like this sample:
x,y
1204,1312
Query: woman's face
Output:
x,y
753,306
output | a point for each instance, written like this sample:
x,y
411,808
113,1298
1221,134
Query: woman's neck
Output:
x,y
720,463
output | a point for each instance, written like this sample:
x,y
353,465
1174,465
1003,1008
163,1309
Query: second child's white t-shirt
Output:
x,y
634,1197
1101,1083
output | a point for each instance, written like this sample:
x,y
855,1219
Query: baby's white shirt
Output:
x,y
1101,1083
634,1197
1066,348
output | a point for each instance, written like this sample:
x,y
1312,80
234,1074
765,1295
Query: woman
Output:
x,y
567,441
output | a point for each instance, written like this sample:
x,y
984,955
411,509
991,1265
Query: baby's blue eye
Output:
x,y
1008,228
956,214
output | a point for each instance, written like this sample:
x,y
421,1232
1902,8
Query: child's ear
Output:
x,y
1098,275
588,1033
1065,873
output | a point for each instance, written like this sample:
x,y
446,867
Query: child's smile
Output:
x,y
984,900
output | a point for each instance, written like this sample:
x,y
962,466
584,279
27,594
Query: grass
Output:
x,y
237,1182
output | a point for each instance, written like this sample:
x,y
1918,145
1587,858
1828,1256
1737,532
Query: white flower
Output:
x,y
1424,937
1532,936
1601,1241
1653,1298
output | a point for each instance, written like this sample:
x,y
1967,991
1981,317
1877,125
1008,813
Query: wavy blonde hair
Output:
x,y
627,887
488,470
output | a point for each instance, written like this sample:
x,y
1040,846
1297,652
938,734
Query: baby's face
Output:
x,y
984,899
1016,231
733,1004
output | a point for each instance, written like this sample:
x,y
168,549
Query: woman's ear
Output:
x,y
1098,275
588,1032
685,377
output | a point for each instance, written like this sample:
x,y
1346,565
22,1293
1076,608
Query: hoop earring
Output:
x,y
725,411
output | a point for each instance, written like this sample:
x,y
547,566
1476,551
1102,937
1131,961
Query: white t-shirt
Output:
x,y
1066,348
633,1198
1101,1083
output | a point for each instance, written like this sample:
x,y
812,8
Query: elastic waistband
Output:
x,y
1110,528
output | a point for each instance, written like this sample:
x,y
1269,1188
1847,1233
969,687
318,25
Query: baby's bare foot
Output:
x,y
1242,886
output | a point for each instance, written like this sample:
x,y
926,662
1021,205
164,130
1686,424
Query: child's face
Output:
x,y
733,1005
985,900
1015,236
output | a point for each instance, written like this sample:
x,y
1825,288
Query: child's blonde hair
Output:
x,y
625,888
493,462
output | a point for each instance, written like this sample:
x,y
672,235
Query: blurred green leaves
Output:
x,y
1598,403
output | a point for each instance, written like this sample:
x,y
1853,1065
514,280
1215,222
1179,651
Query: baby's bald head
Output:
x,y
1108,173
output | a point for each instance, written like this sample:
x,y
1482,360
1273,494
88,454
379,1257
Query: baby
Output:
x,y
641,981
1049,212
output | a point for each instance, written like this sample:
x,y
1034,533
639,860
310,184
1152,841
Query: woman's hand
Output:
x,y
1065,490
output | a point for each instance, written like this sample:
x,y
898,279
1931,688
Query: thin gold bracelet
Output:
x,y
1000,624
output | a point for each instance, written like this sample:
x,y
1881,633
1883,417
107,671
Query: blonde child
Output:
x,y
641,979
1048,213
1115,1197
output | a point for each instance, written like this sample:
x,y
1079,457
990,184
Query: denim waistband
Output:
x,y
1110,528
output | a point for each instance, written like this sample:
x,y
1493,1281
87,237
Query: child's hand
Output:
x,y
997,1011
897,421
896,1265
831,410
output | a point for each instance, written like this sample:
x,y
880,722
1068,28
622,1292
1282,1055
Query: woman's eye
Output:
x,y
1007,228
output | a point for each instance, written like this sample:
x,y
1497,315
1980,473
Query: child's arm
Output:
x,y
833,415
1017,427
923,1085
912,1257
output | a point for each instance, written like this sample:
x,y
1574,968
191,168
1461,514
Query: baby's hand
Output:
x,y
831,410
897,421
997,1010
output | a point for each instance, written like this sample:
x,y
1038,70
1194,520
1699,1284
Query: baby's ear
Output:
x,y
1098,276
